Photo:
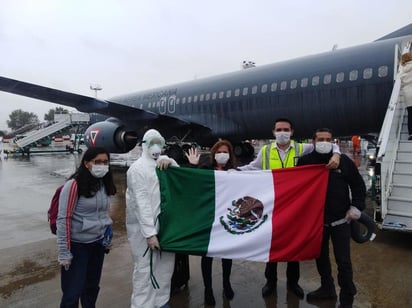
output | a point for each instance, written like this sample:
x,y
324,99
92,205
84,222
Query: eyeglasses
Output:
x,y
100,162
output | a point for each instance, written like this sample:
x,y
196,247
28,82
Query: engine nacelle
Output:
x,y
112,135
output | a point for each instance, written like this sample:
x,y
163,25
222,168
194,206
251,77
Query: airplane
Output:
x,y
346,90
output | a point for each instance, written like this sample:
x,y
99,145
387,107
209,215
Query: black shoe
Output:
x,y
410,137
228,291
268,289
345,306
322,293
296,289
209,297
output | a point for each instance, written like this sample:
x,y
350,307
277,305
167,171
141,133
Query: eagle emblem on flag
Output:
x,y
245,215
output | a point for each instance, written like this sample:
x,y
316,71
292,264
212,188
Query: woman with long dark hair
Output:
x,y
222,157
83,228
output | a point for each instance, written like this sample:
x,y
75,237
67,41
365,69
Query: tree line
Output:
x,y
19,118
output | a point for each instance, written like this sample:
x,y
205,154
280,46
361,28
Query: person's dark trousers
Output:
x,y
409,120
340,236
82,279
292,272
206,264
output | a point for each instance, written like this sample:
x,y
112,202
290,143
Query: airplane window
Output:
x,y
202,96
237,92
184,100
214,95
340,77
383,71
195,98
158,103
273,87
304,82
264,88
228,93
178,100
327,79
315,81
245,90
367,73
293,84
221,94
150,105
189,99
283,85
353,75
254,89
207,96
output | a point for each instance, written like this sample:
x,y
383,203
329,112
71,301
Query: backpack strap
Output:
x,y
71,204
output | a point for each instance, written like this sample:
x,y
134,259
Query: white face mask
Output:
x,y
282,138
222,158
155,150
99,171
323,147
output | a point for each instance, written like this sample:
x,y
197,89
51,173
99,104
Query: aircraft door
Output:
x,y
171,105
162,105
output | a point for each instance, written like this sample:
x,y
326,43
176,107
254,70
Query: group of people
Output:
x,y
81,234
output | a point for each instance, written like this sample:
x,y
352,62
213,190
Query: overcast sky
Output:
x,y
129,45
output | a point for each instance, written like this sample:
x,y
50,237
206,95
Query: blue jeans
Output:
x,y
82,279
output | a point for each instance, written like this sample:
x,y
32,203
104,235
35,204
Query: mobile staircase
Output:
x,y
33,137
393,167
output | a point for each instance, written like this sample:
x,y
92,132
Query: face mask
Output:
x,y
323,147
221,158
282,138
99,171
155,151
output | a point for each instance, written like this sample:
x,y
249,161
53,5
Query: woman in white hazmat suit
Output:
x,y
142,210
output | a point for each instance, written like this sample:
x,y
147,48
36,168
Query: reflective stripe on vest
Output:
x,y
271,158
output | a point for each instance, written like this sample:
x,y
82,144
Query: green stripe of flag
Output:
x,y
187,230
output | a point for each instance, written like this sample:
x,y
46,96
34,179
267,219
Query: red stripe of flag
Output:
x,y
297,220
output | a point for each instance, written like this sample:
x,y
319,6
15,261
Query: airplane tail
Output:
x,y
407,30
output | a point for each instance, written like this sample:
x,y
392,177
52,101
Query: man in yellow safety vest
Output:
x,y
284,153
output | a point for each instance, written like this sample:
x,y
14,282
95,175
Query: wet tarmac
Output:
x,y
29,275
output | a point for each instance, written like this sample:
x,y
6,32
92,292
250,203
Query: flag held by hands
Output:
x,y
270,215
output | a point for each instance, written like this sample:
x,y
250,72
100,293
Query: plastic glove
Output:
x,y
65,263
334,161
193,156
164,163
153,242
107,239
353,213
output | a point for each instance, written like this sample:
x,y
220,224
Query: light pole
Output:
x,y
95,87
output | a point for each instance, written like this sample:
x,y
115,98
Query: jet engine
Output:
x,y
112,135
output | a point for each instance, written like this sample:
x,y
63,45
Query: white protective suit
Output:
x,y
405,72
142,209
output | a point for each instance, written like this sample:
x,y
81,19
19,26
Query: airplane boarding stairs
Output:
x,y
68,121
394,168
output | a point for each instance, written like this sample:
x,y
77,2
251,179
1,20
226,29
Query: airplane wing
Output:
x,y
88,104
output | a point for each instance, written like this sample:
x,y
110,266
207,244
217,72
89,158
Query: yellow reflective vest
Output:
x,y
271,158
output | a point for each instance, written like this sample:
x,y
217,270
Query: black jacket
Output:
x,y
343,180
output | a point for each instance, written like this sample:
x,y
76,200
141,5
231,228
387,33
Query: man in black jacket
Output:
x,y
344,199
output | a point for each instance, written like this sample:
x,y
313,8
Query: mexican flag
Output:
x,y
270,215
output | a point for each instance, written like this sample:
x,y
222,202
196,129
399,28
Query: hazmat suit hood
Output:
x,y
152,144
